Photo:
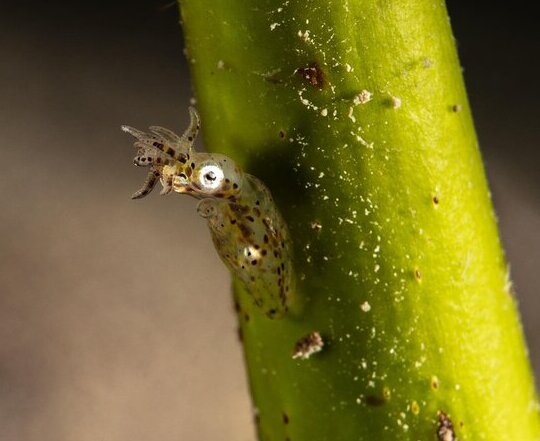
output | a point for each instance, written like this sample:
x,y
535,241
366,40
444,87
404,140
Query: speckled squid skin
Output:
x,y
247,229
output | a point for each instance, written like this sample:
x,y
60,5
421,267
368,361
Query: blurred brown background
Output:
x,y
115,321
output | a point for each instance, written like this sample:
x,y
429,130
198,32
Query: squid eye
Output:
x,y
211,177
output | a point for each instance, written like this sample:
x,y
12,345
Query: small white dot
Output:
x,y
365,307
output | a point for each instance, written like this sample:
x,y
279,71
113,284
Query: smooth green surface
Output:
x,y
406,224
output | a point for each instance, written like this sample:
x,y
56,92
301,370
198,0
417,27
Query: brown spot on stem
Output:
x,y
240,334
375,401
312,74
285,418
445,428
316,225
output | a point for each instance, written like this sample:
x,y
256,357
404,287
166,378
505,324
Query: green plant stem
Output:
x,y
355,115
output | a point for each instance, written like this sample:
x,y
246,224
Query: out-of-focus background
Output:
x,y
115,318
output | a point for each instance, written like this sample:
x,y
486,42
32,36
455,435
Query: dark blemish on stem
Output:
x,y
445,428
240,334
273,79
312,74
316,225
285,418
379,400
281,134
435,200
434,383
375,401
457,108
417,275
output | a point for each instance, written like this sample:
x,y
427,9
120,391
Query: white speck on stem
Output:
x,y
363,97
350,114
366,307
307,346
304,35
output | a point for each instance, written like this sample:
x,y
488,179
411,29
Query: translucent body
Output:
x,y
248,231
